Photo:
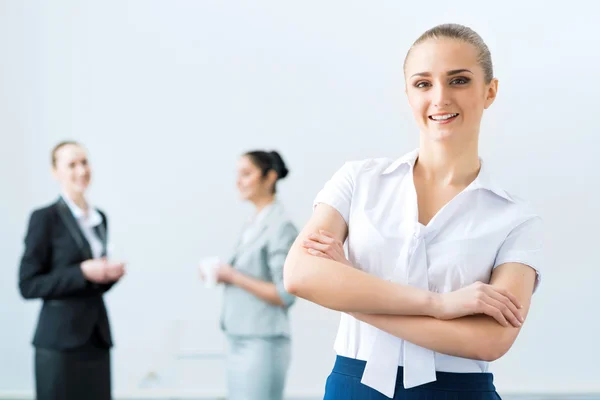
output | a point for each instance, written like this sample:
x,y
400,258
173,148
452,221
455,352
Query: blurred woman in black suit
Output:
x,y
65,265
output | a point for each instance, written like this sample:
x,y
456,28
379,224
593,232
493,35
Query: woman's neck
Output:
x,y
448,165
78,199
262,203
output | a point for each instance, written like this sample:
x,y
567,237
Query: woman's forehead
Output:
x,y
70,152
441,55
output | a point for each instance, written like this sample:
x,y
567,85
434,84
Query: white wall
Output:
x,y
166,95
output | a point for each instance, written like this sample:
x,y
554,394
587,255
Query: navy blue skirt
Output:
x,y
344,383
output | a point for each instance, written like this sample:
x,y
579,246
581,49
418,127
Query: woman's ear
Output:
x,y
491,93
271,177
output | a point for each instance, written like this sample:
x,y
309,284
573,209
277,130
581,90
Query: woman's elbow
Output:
x,y
26,290
294,280
490,354
492,350
290,277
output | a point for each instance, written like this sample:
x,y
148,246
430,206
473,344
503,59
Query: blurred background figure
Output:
x,y
255,310
64,264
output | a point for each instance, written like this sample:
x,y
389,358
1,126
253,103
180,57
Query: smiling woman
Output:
x,y
442,261
64,264
450,95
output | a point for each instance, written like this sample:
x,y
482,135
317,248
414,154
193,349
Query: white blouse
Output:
x,y
87,223
480,229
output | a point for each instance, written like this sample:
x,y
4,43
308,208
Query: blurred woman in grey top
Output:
x,y
255,310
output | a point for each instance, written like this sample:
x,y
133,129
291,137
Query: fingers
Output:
x,y
322,242
114,271
321,238
505,293
327,233
493,312
316,248
512,317
327,245
509,308
113,265
111,277
311,244
319,254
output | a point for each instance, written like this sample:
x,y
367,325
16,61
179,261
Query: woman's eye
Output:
x,y
459,81
421,84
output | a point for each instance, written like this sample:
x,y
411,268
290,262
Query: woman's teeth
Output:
x,y
442,117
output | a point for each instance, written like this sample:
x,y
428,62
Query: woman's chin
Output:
x,y
441,135
245,196
76,190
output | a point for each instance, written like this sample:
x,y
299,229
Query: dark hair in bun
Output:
x,y
279,165
268,160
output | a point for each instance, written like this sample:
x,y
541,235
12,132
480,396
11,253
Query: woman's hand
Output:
x,y
94,270
99,270
225,273
114,270
325,245
480,298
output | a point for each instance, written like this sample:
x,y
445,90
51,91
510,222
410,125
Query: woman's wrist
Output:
x,y
433,304
234,277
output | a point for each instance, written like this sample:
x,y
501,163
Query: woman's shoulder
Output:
x,y
45,210
508,208
43,216
283,222
365,166
380,165
521,209
506,198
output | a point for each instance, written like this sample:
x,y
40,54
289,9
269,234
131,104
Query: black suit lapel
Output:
x,y
73,227
100,231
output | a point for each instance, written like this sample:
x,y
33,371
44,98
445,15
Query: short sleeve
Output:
x,y
337,191
278,248
524,245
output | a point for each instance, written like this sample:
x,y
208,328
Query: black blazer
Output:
x,y
50,270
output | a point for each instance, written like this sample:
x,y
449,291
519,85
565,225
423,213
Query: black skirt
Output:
x,y
78,374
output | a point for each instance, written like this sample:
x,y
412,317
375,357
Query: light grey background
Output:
x,y
166,95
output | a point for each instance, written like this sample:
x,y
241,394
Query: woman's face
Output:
x,y
72,169
446,89
250,181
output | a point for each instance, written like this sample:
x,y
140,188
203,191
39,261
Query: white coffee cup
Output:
x,y
209,266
